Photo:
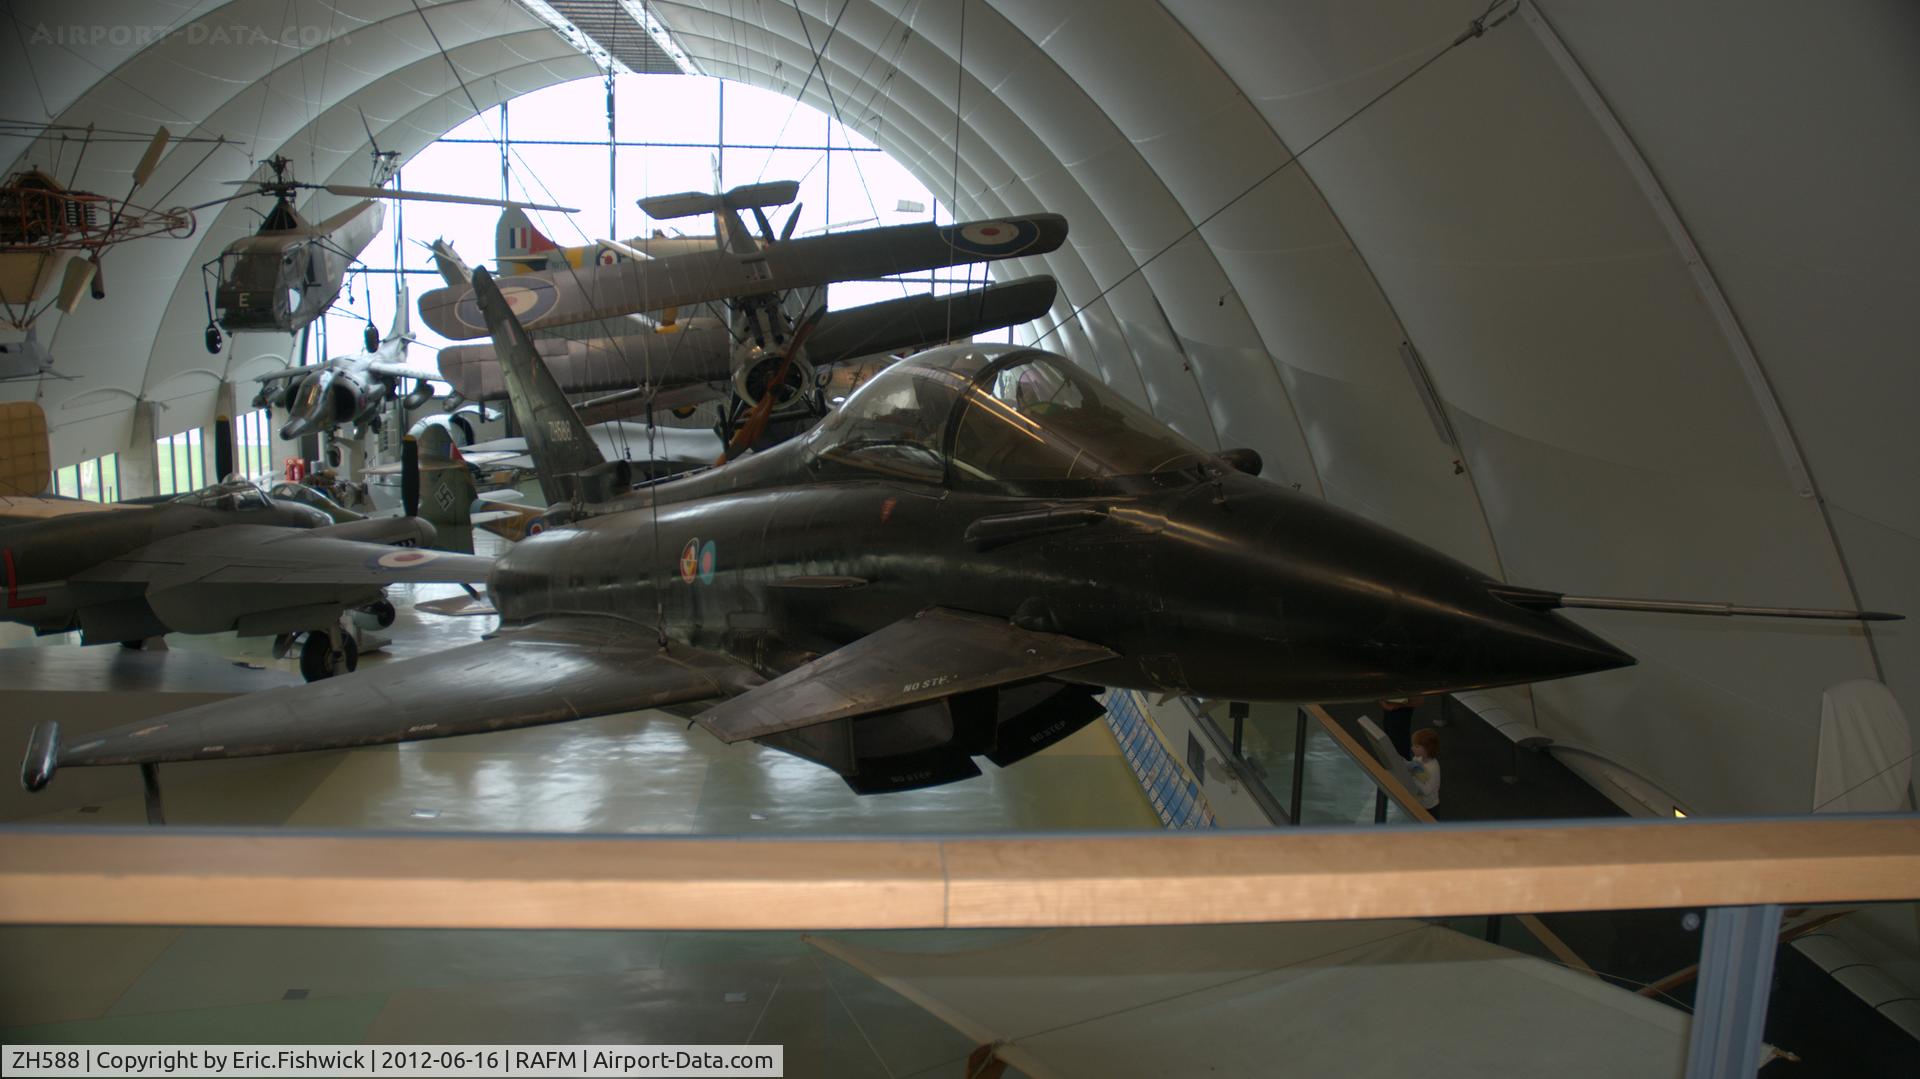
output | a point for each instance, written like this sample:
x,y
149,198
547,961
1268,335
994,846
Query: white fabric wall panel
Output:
x,y
1722,712
1612,436
61,51
1799,193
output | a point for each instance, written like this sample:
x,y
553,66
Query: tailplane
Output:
x,y
746,197
569,464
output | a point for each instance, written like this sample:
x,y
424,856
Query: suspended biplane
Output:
x,y
775,336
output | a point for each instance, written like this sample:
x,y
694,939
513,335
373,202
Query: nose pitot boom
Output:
x,y
1341,608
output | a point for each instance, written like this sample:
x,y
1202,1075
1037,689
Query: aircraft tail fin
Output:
x,y
517,243
26,463
561,447
401,332
453,269
437,486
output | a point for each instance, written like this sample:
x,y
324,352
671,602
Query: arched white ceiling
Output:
x,y
1663,290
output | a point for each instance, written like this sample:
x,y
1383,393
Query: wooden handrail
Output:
x,y
1396,790
179,877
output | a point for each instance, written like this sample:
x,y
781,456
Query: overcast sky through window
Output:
x,y
766,137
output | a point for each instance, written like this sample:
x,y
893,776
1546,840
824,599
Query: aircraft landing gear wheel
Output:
x,y
382,612
317,658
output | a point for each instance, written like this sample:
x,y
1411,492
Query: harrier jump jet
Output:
x,y
945,568
348,389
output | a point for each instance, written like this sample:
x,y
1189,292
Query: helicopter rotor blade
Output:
x,y
79,274
222,201
151,159
360,191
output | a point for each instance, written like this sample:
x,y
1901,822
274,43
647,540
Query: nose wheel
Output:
x,y
326,653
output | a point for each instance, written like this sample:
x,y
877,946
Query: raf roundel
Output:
x,y
709,558
530,298
993,239
690,561
405,558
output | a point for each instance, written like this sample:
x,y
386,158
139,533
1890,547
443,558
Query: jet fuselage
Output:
x,y
1204,580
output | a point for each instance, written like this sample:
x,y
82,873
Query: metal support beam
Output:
x,y
1299,763
1730,1006
1238,712
150,786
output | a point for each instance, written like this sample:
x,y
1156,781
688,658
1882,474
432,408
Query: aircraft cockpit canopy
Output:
x,y
256,271
305,495
1005,417
314,387
240,495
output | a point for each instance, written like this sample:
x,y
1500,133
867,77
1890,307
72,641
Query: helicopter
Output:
x,y
290,270
51,231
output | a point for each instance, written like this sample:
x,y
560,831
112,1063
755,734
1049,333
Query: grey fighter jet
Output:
x,y
224,558
945,568
348,389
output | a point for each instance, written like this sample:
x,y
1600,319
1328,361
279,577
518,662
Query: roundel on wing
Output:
x,y
996,239
405,557
527,296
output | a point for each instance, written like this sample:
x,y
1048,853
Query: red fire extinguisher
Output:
x,y
296,469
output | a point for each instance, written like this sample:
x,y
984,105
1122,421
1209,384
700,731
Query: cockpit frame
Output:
x,y
1030,439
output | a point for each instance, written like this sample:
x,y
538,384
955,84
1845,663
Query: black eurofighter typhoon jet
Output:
x,y
945,568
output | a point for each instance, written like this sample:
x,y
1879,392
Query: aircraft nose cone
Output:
x,y
1422,620
1513,644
